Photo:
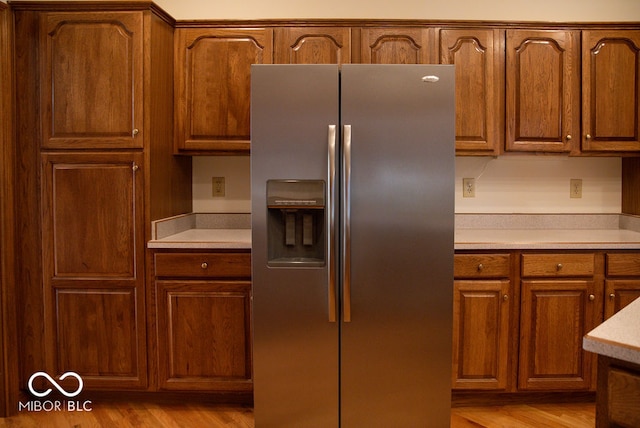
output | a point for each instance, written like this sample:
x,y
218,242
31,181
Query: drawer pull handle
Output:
x,y
592,297
480,267
204,265
559,266
612,296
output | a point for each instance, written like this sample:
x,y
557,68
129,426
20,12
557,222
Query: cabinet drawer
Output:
x,y
199,265
555,265
623,264
481,265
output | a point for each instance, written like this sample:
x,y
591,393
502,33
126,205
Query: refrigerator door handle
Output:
x,y
331,250
346,236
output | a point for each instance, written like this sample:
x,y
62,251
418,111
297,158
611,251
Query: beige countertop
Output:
x,y
202,231
473,231
619,336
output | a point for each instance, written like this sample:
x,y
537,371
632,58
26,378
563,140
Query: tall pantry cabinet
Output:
x,y
95,139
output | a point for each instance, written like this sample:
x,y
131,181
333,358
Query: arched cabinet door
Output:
x,y
91,79
312,45
213,86
479,58
611,90
542,90
411,45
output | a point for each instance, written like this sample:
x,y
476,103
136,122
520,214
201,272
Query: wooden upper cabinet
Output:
x,y
542,90
312,45
213,86
611,90
395,45
479,58
91,80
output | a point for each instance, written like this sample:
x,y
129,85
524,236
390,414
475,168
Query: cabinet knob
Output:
x,y
505,297
135,167
204,265
480,267
592,297
612,296
588,136
135,132
569,137
559,266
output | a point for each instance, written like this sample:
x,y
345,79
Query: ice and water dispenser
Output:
x,y
296,223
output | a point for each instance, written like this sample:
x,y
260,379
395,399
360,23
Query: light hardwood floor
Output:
x,y
142,415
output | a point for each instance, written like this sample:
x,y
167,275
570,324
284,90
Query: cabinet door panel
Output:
x,y
619,293
479,58
213,79
555,315
93,267
204,340
312,45
92,80
611,79
481,334
394,46
97,334
543,92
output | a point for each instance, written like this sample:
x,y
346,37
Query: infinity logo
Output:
x,y
54,383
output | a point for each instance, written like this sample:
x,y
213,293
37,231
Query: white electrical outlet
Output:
x,y
575,188
218,187
468,187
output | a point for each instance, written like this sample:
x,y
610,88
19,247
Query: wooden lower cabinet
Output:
x,y
560,301
93,269
618,397
520,317
622,284
203,318
481,328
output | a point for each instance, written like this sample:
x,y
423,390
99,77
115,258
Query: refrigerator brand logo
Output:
x,y
55,405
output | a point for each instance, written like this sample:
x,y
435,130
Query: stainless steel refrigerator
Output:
x,y
352,174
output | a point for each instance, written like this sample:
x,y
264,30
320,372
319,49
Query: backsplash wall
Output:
x,y
507,184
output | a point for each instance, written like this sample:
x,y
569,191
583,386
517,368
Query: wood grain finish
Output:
x,y
554,317
622,284
481,311
203,315
479,58
482,265
201,413
93,268
213,82
618,397
542,90
203,265
558,265
92,80
8,301
312,45
204,335
611,90
395,45
630,186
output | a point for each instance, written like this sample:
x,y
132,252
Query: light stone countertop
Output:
x,y
546,231
619,336
202,231
473,231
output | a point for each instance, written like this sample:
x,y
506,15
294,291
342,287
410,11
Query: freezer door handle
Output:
x,y
331,218
346,236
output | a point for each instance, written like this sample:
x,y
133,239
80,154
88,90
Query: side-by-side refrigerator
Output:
x,y
352,244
